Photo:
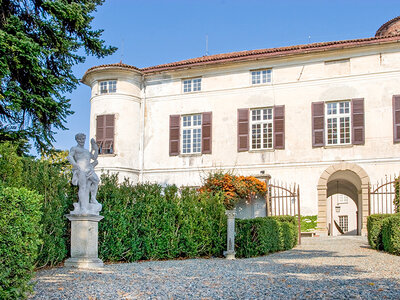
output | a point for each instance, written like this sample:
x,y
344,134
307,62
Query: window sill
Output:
x,y
189,93
108,155
261,150
190,155
261,84
338,146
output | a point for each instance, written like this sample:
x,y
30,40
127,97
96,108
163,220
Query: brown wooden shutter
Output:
x,y
396,118
357,124
206,133
174,134
318,124
243,130
279,127
108,145
100,129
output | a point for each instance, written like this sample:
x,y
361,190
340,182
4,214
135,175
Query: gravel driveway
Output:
x,y
321,268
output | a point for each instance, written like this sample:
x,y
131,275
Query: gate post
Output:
x,y
298,213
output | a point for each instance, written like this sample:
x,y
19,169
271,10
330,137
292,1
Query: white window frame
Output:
x,y
344,223
335,115
263,118
111,86
191,134
342,199
261,76
191,85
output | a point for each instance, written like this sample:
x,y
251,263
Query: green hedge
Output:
x,y
259,236
391,234
374,227
20,214
147,221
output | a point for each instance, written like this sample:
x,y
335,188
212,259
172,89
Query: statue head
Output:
x,y
80,138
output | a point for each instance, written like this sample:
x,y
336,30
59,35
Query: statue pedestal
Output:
x,y
230,247
84,242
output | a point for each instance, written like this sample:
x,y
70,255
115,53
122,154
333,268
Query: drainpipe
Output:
x,y
142,129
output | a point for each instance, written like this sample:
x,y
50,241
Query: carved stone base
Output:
x,y
84,263
92,209
84,241
230,254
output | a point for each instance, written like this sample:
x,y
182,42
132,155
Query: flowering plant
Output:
x,y
233,187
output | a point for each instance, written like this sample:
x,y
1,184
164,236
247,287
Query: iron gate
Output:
x,y
381,196
284,200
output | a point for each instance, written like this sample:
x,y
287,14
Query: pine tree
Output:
x,y
40,41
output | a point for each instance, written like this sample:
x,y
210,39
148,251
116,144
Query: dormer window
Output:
x,y
108,86
261,76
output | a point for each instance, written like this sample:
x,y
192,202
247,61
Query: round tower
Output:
x,y
115,117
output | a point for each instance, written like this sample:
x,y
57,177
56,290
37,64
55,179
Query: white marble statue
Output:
x,y
84,176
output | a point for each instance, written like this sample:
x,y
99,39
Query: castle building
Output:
x,y
325,116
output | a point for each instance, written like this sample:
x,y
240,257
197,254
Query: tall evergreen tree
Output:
x,y
40,41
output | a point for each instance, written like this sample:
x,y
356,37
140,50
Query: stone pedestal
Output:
x,y
230,241
84,242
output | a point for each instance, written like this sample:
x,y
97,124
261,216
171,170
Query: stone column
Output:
x,y
230,241
84,241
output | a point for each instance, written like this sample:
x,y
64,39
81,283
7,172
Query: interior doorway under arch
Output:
x,y
343,200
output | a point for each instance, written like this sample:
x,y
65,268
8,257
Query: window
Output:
x,y
109,86
191,134
105,133
344,223
261,128
192,85
261,76
342,199
338,123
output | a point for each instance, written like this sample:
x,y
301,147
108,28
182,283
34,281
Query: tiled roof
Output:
x,y
386,25
257,54
119,65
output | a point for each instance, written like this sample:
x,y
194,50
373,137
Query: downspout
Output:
x,y
142,129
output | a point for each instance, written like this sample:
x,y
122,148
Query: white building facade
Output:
x,y
325,116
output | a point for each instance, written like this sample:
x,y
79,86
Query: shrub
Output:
x,y
234,188
19,240
49,180
147,221
10,165
260,236
374,227
391,234
308,223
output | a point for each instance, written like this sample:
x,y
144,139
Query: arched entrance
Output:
x,y
343,181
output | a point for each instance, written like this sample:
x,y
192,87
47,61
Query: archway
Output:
x,y
351,181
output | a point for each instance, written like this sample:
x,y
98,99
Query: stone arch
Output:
x,y
322,188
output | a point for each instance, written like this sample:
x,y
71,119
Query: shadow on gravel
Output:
x,y
305,254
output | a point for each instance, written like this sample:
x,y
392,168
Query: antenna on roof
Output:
x,y
309,39
206,44
122,50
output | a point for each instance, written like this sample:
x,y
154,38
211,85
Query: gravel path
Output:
x,y
321,268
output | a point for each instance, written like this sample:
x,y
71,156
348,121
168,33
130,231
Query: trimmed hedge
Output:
x,y
147,221
260,236
20,229
374,227
391,234
49,180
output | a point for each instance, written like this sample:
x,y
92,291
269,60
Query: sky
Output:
x,y
150,32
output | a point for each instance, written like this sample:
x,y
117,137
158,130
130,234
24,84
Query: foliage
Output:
x,y
396,200
391,234
260,236
374,227
308,223
233,187
147,221
50,181
19,240
10,165
39,45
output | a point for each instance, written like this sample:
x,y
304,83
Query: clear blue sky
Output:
x,y
149,32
